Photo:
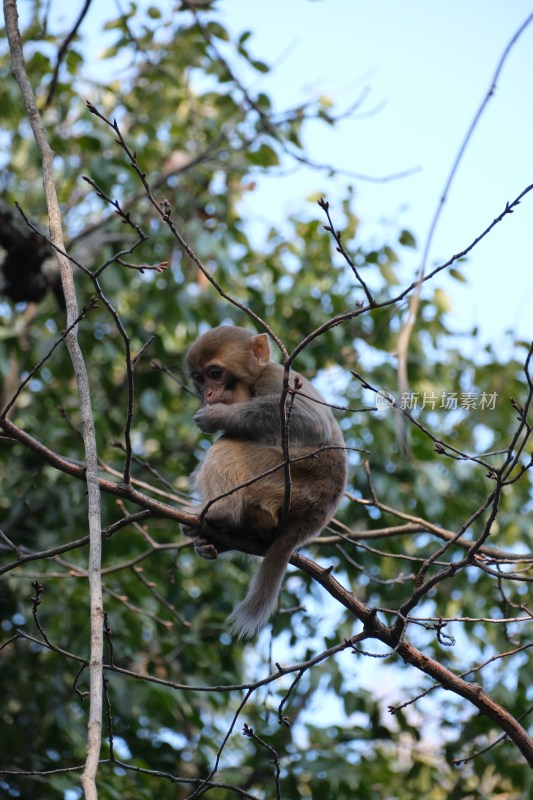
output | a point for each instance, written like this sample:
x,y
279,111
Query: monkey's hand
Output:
x,y
211,418
205,549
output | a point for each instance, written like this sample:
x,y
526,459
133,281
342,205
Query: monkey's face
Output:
x,y
217,384
225,363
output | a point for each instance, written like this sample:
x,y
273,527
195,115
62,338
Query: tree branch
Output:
x,y
87,420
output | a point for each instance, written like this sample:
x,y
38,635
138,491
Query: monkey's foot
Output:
x,y
205,549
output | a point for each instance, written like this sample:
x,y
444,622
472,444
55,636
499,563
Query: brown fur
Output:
x,y
249,518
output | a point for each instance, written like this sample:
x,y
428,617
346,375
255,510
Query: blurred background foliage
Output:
x,y
173,82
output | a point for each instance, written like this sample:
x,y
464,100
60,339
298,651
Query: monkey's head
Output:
x,y
225,363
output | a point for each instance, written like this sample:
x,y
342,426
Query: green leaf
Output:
x,y
260,66
455,273
217,30
407,239
265,156
442,301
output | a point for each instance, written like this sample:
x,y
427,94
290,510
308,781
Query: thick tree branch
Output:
x,y
376,629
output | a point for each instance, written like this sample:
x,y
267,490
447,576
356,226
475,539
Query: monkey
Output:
x,y
240,389
29,267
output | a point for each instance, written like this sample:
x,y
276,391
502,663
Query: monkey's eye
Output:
x,y
215,373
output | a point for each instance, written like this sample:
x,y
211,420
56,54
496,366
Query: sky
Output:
x,y
428,67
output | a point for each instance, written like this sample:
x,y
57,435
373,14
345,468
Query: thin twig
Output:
x,y
62,52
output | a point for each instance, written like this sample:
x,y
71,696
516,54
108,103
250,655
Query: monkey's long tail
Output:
x,y
254,611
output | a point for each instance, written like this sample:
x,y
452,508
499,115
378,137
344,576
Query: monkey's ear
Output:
x,y
260,348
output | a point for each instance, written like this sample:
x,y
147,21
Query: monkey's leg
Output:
x,y
239,517
214,541
203,543
218,536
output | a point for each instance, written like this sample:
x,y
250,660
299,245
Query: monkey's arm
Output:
x,y
258,420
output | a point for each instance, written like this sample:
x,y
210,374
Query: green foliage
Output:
x,y
203,145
